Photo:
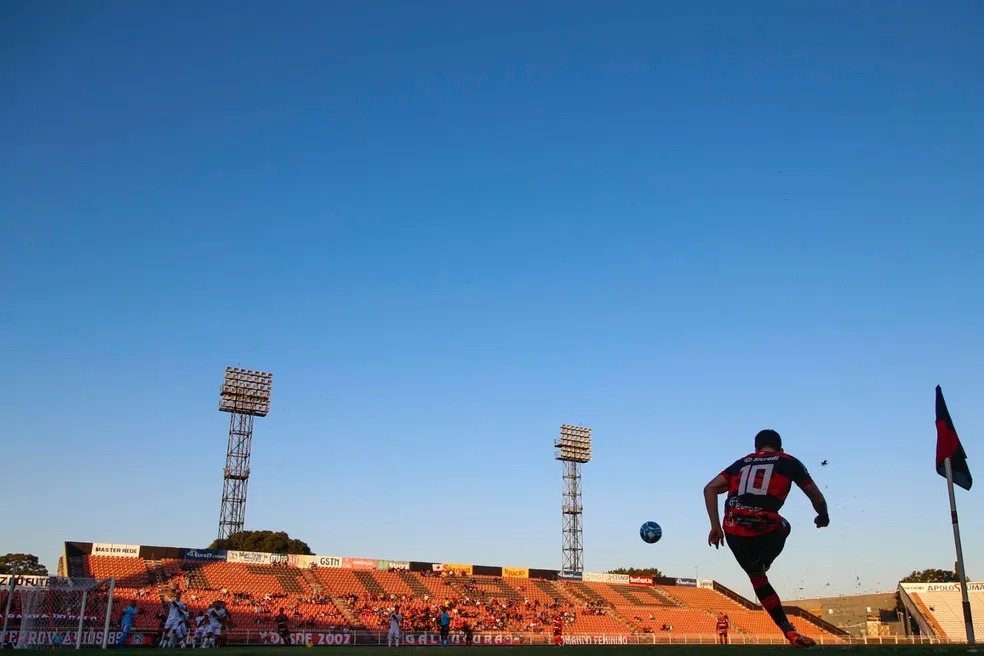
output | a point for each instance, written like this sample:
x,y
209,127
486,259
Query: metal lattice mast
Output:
x,y
245,394
573,449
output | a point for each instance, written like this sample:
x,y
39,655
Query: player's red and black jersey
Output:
x,y
722,625
758,485
281,621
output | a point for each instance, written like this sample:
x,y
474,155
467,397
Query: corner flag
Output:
x,y
948,446
951,462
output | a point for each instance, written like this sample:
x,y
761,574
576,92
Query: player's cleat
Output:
x,y
797,639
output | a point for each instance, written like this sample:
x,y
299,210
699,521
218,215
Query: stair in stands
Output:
x,y
370,582
312,580
574,594
286,577
419,589
156,573
343,607
584,591
196,578
500,589
555,592
661,597
638,598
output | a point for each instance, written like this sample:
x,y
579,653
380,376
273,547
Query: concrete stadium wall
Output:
x,y
859,615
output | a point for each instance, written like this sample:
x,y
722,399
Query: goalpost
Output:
x,y
56,611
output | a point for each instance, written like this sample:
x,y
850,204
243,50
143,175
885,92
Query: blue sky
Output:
x,y
447,228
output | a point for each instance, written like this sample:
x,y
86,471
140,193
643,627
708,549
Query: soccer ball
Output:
x,y
650,532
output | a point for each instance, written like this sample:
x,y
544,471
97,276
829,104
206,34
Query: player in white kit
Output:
x,y
176,625
218,618
394,635
201,628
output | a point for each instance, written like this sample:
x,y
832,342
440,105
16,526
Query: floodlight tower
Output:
x,y
244,394
573,449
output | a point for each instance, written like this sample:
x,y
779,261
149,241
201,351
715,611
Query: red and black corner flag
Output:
x,y
948,446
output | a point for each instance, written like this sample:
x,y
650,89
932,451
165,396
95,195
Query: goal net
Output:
x,y
54,611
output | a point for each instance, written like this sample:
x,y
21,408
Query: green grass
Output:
x,y
590,650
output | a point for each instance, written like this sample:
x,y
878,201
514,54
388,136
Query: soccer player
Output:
x,y
444,622
161,618
201,629
126,622
757,486
177,618
218,619
558,631
469,634
282,630
722,627
394,633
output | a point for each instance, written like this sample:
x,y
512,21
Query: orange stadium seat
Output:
x,y
336,598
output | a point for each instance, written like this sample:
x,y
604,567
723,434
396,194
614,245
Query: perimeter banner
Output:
x,y
26,579
302,638
458,639
595,577
457,568
69,638
325,561
204,555
124,550
359,563
250,557
385,565
568,575
640,580
941,587
516,572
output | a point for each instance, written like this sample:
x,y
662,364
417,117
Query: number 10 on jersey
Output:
x,y
755,479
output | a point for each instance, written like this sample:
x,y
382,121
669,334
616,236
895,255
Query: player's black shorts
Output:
x,y
755,553
445,630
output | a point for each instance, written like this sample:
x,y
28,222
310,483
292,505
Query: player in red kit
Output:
x,y
722,627
757,486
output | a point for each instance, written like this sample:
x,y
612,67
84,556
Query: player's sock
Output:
x,y
771,602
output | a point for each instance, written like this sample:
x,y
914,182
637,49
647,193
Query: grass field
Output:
x,y
588,650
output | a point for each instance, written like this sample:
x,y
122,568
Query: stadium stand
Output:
x,y
337,598
938,607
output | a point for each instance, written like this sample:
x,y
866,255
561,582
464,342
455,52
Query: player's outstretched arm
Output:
x,y
718,486
815,496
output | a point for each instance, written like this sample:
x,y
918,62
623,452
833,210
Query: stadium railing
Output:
x,y
367,638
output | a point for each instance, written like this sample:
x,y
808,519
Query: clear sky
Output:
x,y
447,228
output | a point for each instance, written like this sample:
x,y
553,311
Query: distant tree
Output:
x,y
931,576
262,541
18,563
637,571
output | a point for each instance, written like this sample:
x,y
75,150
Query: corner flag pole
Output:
x,y
962,573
